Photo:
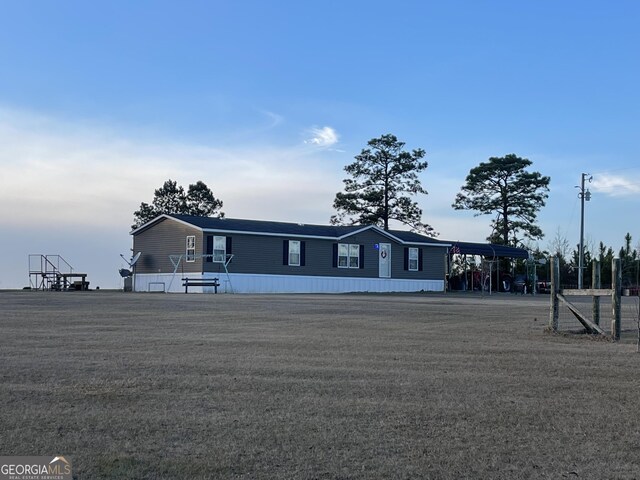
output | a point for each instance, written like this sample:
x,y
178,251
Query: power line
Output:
x,y
570,222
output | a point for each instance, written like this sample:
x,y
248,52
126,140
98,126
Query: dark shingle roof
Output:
x,y
335,232
263,226
412,237
287,228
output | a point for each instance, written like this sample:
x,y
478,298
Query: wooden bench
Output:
x,y
198,282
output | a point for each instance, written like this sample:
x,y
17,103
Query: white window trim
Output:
x,y
223,250
349,256
416,259
299,252
190,251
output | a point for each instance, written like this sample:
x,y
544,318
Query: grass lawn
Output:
x,y
312,387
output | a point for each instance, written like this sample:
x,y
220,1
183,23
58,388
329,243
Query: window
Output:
x,y
191,249
294,253
413,259
219,249
348,255
343,255
354,256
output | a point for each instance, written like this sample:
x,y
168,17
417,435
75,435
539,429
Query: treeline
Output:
x,y
569,261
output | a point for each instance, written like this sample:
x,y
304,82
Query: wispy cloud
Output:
x,y
323,137
62,173
274,118
616,185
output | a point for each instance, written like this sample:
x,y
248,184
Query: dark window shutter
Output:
x,y
209,250
361,256
229,249
302,253
335,255
420,259
406,258
285,252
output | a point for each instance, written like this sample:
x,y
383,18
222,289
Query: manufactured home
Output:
x,y
252,256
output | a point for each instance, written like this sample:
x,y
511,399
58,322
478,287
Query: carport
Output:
x,y
490,253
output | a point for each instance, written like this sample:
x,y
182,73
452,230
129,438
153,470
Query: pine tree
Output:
x,y
171,198
503,187
381,178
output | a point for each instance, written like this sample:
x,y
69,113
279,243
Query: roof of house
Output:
x,y
332,232
263,227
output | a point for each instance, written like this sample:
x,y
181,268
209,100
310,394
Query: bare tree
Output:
x,y
559,246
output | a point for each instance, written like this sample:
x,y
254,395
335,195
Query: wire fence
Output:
x,y
613,312
568,323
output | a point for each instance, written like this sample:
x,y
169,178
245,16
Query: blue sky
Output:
x,y
266,102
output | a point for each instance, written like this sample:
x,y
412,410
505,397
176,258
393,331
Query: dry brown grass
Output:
x,y
314,387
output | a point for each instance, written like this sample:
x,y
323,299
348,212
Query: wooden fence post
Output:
x,y
555,288
616,300
596,284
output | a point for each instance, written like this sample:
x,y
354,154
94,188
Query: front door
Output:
x,y
384,258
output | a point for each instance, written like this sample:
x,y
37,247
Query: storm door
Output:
x,y
384,259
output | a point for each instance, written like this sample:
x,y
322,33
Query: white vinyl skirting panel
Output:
x,y
255,283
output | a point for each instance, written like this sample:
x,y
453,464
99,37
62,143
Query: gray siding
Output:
x,y
434,265
165,238
264,255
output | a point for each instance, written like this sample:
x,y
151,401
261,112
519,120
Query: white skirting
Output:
x,y
255,283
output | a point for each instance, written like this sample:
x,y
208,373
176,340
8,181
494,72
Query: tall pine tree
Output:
x,y
381,180
503,187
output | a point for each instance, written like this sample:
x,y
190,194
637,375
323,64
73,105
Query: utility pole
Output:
x,y
583,196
